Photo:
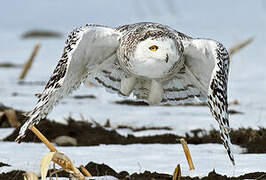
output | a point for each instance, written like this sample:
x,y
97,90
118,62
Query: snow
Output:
x,y
228,22
4,132
137,158
246,81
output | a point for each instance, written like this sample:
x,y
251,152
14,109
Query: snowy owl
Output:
x,y
153,62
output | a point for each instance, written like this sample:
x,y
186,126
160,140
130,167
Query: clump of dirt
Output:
x,y
95,170
9,65
143,103
254,175
87,134
132,103
84,97
104,170
82,131
232,111
31,83
94,134
3,164
253,140
12,175
214,176
41,33
147,175
142,128
201,136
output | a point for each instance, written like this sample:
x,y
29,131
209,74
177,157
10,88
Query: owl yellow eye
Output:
x,y
153,48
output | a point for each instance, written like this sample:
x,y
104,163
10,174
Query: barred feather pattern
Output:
x,y
52,92
181,91
217,97
109,78
177,90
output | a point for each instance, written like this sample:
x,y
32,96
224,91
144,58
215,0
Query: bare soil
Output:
x,y
3,164
93,134
102,170
12,175
88,134
41,33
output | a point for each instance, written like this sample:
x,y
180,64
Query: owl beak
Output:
x,y
167,58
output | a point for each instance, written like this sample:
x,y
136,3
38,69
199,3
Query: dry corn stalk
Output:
x,y
28,64
30,176
1,115
187,153
12,117
63,161
45,161
42,138
239,46
85,171
177,173
55,156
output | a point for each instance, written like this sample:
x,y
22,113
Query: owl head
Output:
x,y
150,53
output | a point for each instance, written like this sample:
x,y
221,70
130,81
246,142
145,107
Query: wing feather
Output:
x,y
208,62
90,52
180,90
109,77
86,51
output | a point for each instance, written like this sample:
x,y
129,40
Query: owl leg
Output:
x,y
127,85
156,93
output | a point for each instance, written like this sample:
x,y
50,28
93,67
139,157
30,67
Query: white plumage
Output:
x,y
154,62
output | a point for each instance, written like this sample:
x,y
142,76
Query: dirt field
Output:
x,y
102,170
91,134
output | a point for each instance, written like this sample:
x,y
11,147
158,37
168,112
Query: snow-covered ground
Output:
x,y
137,158
228,22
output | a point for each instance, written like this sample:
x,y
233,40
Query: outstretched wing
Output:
x,y
207,62
88,49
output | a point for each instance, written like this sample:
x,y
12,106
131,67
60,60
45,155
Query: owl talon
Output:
x,y
127,85
156,93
